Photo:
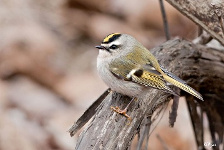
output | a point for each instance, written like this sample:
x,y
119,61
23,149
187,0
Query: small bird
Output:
x,y
129,68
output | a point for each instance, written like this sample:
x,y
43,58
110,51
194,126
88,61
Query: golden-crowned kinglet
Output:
x,y
127,67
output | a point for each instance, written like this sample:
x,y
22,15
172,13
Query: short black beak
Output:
x,y
100,47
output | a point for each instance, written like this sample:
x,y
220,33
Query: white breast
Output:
x,y
124,87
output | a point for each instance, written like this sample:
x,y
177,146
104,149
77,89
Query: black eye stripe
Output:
x,y
113,46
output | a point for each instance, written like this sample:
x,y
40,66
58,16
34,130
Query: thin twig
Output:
x,y
165,146
147,137
173,113
196,122
163,108
144,131
152,120
165,24
147,123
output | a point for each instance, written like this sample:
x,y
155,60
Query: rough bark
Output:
x,y
201,67
207,14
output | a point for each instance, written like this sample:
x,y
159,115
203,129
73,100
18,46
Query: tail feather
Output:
x,y
183,86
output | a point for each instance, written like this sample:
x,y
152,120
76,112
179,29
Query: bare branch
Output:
x,y
165,24
165,146
173,113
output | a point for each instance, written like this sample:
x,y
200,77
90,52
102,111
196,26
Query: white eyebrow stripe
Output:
x,y
114,43
105,45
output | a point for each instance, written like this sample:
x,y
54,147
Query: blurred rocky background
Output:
x,y
48,66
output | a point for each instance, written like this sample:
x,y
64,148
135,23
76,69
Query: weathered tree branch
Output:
x,y
201,67
88,114
206,14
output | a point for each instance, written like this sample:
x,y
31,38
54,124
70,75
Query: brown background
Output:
x,y
48,66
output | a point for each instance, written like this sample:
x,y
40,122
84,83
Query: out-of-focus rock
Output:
x,y
57,126
38,101
3,97
18,131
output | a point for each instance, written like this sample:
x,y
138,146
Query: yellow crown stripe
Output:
x,y
106,39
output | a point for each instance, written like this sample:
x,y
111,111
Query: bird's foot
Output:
x,y
122,112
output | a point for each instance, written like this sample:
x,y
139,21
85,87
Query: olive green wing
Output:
x,y
149,79
121,69
134,73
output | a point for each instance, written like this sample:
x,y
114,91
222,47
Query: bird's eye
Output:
x,y
113,47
